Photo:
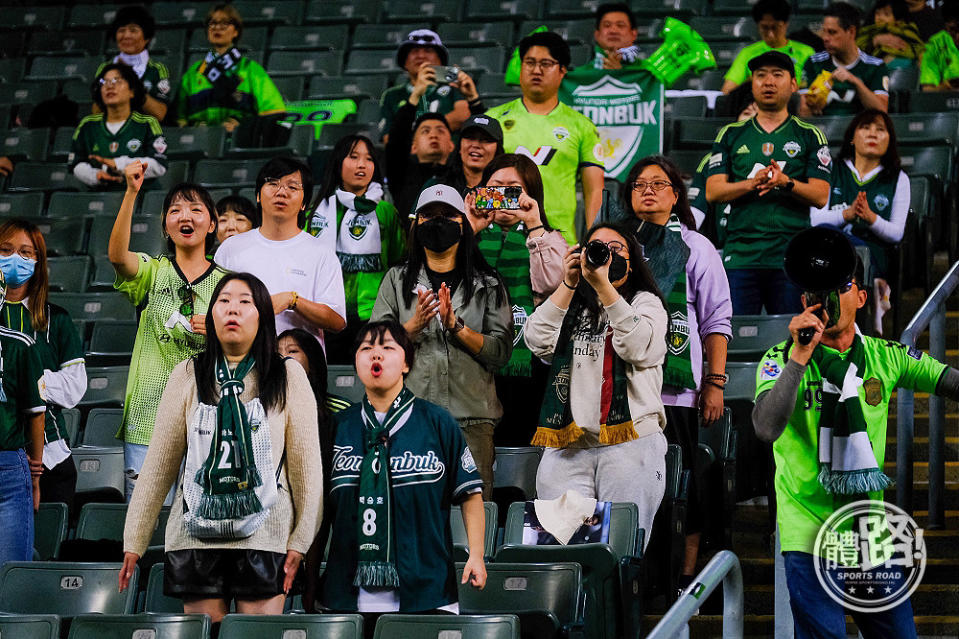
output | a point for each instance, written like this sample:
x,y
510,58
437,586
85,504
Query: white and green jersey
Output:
x,y
802,503
739,71
759,227
139,137
561,143
843,99
164,335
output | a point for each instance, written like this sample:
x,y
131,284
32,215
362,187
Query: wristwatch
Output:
x,y
789,185
458,326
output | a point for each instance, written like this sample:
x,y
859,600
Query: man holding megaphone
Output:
x,y
822,399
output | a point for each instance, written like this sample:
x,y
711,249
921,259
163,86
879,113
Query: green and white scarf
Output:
x,y
505,250
220,71
376,564
667,253
847,463
229,475
358,241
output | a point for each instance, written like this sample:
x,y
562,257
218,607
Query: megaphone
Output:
x,y
819,261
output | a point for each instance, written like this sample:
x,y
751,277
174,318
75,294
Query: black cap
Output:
x,y
488,125
773,59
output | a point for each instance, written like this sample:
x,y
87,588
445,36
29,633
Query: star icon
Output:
x,y
852,590
888,590
870,590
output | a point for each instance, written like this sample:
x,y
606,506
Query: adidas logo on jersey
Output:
x,y
742,149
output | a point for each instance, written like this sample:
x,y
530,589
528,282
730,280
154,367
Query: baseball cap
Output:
x,y
773,59
441,193
421,38
486,124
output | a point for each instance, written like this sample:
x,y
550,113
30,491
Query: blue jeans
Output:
x,y
751,289
817,616
16,507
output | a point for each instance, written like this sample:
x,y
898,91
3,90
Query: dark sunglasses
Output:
x,y
185,293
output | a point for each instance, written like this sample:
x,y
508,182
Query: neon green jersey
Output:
x,y
802,503
940,60
739,71
561,143
256,94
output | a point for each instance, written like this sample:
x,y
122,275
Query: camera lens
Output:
x,y
597,253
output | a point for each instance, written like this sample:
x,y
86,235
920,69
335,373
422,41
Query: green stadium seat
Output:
x,y
26,205
567,9
458,530
59,68
698,134
270,12
103,275
309,38
154,600
95,306
353,86
331,133
304,63
290,87
100,470
494,84
66,43
326,12
475,33
69,274
342,380
300,143
13,69
174,61
50,525
926,101
35,176
106,521
833,127
253,39
59,150
15,43
710,80
742,381
176,171
105,384
753,335
193,143
71,417
682,9
29,626
515,468
935,161
393,626
229,174
111,342
368,113
499,10
687,161
372,61
63,235
413,10
904,79
26,92
726,52
573,31
146,235
64,588
5,112
25,144
331,626
101,426
382,36
489,58
717,477
167,41
91,16
105,203
931,129
694,107
136,626
179,14
735,7
718,29
31,17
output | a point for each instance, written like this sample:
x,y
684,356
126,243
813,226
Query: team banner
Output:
x,y
626,105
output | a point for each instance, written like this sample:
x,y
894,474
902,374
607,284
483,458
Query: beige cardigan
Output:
x,y
293,519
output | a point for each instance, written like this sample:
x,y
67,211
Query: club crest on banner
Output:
x,y
678,339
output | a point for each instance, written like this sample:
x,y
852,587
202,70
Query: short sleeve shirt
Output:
x,y
21,370
437,99
843,99
561,143
139,137
256,94
802,503
940,60
759,228
164,335
739,71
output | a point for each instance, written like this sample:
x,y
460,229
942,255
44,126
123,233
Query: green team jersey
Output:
x,y
739,71
560,143
759,228
441,98
255,95
164,336
155,78
361,288
940,60
140,136
58,348
802,503
20,371
843,99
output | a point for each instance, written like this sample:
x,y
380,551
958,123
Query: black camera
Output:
x,y
597,253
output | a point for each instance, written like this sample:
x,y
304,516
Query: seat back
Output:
x,y
516,468
623,527
154,599
135,626
65,588
106,521
517,588
146,235
71,417
458,530
230,174
742,381
99,469
50,529
64,235
342,380
304,63
331,626
69,273
93,306
101,427
30,626
447,626
27,205
34,176
24,144
753,335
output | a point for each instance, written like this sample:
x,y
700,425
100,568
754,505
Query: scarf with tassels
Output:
x,y
376,564
556,426
229,475
847,463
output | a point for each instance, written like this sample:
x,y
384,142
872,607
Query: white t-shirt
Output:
x,y
302,264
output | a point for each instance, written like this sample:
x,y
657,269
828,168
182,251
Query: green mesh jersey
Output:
x,y
802,503
561,143
20,371
164,338
58,347
759,228
739,71
843,99
940,60
139,137
156,80
255,95
437,99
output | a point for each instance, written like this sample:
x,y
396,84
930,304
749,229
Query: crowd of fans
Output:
x,y
470,324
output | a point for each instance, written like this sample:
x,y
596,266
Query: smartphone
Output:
x,y
498,198
445,75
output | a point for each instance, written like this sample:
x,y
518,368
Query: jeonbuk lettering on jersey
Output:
x,y
407,468
626,107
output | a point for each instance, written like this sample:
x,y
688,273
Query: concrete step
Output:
x,y
763,626
920,494
920,470
920,447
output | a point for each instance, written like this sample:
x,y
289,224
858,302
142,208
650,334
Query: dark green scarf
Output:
x,y
229,474
667,254
556,426
847,463
376,564
505,250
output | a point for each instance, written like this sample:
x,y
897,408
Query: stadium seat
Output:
x,y
26,92
725,53
476,33
753,335
367,112
71,418
66,43
89,203
928,101
111,341
50,525
105,384
717,479
60,68
27,205
709,80
382,36
342,380
29,626
174,62
300,143
489,58
24,144
270,12
331,626
742,381
717,29
698,134
64,588
371,61
413,10
136,626
393,626
353,86
176,171
100,470
146,235
91,16
32,17
325,12
931,129
568,9
63,235
290,87
460,541
689,107
166,42
13,69
904,79
309,38
229,174
179,14
69,274
254,39
734,7
682,9
59,150
154,601
106,521
34,176
103,275
499,10
193,143
101,426
515,468
833,127
94,306
934,161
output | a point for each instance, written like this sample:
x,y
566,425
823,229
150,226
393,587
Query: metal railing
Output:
x,y
723,568
931,315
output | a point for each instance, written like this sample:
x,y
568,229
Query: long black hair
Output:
x,y
681,208
640,278
891,164
333,175
529,174
469,261
318,369
270,367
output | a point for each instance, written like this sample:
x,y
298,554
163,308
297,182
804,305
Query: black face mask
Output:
x,y
618,267
439,233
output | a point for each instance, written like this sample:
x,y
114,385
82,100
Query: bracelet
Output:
x,y
712,383
293,301
572,288
533,228
717,376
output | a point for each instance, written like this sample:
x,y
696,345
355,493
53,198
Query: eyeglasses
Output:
x,y
185,293
274,185
655,185
26,253
219,24
845,288
544,65
616,247
111,82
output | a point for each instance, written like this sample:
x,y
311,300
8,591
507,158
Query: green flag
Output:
x,y
319,112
